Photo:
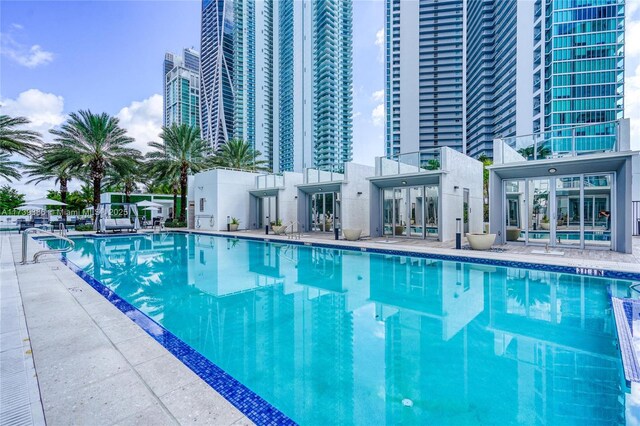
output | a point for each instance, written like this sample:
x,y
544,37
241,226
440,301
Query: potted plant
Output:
x,y
544,223
233,226
277,227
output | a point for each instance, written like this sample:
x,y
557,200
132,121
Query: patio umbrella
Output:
x,y
150,208
146,203
44,202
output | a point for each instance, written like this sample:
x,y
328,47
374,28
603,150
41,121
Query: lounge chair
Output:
x,y
118,224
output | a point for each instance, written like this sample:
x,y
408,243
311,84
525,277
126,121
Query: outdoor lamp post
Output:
x,y
458,233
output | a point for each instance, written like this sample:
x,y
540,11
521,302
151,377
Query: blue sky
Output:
x,y
61,56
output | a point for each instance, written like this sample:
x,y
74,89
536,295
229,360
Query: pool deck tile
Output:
x,y
90,358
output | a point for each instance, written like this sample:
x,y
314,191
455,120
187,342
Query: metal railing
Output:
x,y
268,181
36,256
294,234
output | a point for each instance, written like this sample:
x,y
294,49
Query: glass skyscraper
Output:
x,y
216,71
509,67
544,67
182,88
281,79
583,72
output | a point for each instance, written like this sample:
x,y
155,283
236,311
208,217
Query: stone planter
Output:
x,y
481,241
352,234
278,229
513,234
233,227
544,225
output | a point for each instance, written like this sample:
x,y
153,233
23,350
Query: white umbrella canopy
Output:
x,y
44,202
147,203
150,209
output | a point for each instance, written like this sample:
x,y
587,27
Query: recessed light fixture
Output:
x,y
552,170
404,182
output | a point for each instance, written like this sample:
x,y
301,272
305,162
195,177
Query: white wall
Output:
x,y
355,208
463,172
226,193
503,153
288,204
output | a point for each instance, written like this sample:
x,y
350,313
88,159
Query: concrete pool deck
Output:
x,y
93,365
90,360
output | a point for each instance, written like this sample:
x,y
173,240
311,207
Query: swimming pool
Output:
x,y
329,336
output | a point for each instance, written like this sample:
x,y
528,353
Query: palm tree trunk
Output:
x,y
183,192
174,187
97,181
63,197
127,193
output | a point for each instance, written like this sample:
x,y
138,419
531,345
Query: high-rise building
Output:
x,y
536,67
583,73
425,76
278,74
526,67
182,88
500,67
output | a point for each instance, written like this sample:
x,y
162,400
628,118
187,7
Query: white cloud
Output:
x,y
380,43
44,110
30,57
378,96
377,115
143,121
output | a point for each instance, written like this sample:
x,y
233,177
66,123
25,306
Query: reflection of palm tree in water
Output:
x,y
526,289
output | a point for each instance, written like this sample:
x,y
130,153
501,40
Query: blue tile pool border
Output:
x,y
581,271
249,403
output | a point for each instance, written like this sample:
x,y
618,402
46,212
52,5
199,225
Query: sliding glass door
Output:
x,y
570,211
410,211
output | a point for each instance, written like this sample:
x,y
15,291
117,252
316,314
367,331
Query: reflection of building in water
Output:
x,y
290,341
426,306
562,344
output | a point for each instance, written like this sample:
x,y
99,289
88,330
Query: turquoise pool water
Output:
x,y
344,337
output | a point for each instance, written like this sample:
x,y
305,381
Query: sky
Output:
x,y
58,57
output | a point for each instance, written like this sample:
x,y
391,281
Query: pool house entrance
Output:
x,y
410,211
572,210
564,188
325,211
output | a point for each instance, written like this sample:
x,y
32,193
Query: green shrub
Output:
x,y
83,228
175,224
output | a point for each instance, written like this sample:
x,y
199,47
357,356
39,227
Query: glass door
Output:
x,y
539,223
416,211
322,211
387,212
400,212
431,211
567,217
598,212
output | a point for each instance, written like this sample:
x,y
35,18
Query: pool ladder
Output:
x,y
294,234
36,256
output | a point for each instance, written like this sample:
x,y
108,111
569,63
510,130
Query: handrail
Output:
x,y
36,256
298,234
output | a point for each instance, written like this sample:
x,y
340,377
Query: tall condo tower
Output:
x,y
583,73
537,66
278,74
182,88
425,76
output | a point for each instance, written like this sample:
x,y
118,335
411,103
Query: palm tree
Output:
x,y
238,154
8,167
182,152
125,175
95,141
17,141
46,169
